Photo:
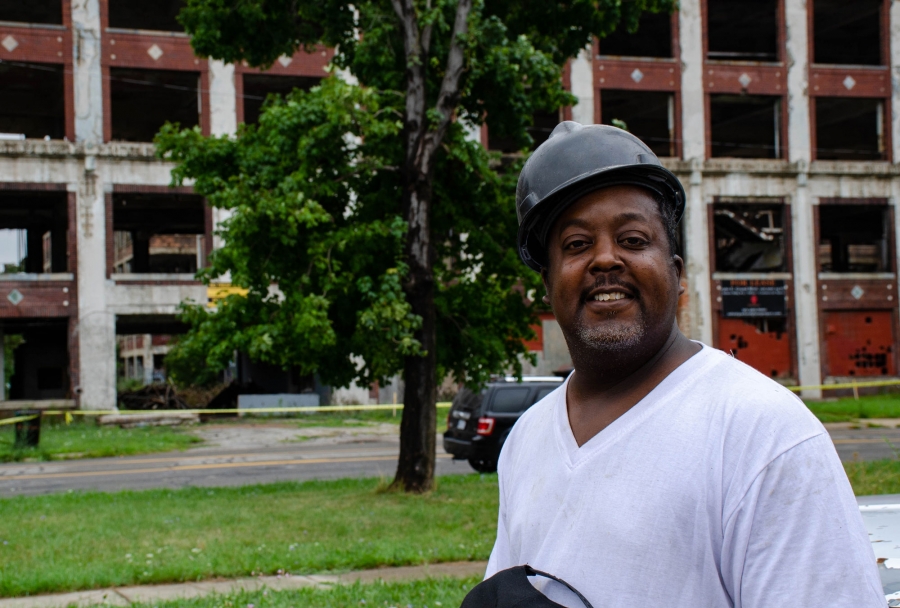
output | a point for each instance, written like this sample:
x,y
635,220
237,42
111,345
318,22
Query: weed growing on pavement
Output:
x,y
432,592
848,408
86,439
76,541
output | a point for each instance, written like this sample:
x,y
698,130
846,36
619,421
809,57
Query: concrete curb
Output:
x,y
125,596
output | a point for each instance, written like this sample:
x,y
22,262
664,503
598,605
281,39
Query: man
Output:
x,y
663,472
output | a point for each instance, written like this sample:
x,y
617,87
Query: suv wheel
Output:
x,y
483,465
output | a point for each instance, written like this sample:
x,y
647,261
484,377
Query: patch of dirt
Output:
x,y
257,436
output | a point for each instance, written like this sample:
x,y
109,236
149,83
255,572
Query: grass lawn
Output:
x,y
848,408
84,540
444,591
85,439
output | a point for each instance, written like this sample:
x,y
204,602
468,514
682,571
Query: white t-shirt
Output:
x,y
718,489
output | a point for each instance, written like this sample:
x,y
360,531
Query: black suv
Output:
x,y
479,423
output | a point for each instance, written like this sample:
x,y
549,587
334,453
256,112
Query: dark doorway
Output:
x,y
849,129
40,359
157,233
33,231
745,126
854,238
144,100
33,102
32,11
647,114
847,33
738,30
653,38
159,15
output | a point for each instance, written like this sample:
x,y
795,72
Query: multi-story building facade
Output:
x,y
781,117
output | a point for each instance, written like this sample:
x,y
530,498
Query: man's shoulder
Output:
x,y
757,415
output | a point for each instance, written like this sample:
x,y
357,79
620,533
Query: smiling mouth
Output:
x,y
606,297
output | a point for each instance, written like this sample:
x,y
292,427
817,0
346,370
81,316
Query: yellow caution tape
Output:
x,y
846,385
18,419
253,410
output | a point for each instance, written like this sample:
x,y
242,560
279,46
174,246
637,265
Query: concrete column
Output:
x,y
696,244
693,120
87,75
895,80
96,326
582,79
693,137
222,98
799,152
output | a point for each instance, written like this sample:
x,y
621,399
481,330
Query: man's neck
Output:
x,y
601,391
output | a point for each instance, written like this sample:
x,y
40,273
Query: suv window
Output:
x,y
509,400
543,393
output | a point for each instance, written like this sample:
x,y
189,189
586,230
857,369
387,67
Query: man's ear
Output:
x,y
679,270
546,280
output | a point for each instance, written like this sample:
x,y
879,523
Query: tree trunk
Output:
x,y
415,468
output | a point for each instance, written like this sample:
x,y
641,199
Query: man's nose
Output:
x,y
605,256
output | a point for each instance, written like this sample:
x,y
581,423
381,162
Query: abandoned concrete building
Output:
x,y
782,118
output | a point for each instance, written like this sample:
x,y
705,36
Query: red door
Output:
x,y
859,343
762,344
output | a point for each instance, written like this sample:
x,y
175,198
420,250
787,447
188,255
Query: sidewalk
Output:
x,y
125,596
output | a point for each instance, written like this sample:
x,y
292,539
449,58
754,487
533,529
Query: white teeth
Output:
x,y
603,297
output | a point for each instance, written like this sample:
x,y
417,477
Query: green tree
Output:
x,y
371,236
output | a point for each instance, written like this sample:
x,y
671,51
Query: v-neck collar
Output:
x,y
625,423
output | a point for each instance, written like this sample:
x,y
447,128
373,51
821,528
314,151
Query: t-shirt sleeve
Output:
x,y
796,538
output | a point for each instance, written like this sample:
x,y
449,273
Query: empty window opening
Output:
x,y
542,124
738,30
847,33
849,129
33,228
33,100
159,16
36,359
745,126
259,86
749,237
854,238
142,101
33,11
142,357
648,115
653,38
158,233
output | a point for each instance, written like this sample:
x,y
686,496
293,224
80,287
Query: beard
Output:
x,y
611,337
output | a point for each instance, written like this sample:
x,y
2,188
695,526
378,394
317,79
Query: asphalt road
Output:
x,y
212,467
326,458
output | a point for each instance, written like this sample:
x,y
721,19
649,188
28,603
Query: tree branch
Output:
x,y
449,93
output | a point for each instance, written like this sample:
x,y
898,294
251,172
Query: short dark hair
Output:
x,y
669,218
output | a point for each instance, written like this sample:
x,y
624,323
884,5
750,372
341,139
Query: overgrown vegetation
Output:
x,y
85,439
86,540
848,408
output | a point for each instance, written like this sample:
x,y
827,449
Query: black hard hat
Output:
x,y
574,161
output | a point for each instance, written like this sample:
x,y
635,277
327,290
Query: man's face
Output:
x,y
612,280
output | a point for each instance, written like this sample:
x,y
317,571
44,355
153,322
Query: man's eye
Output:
x,y
634,241
576,244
